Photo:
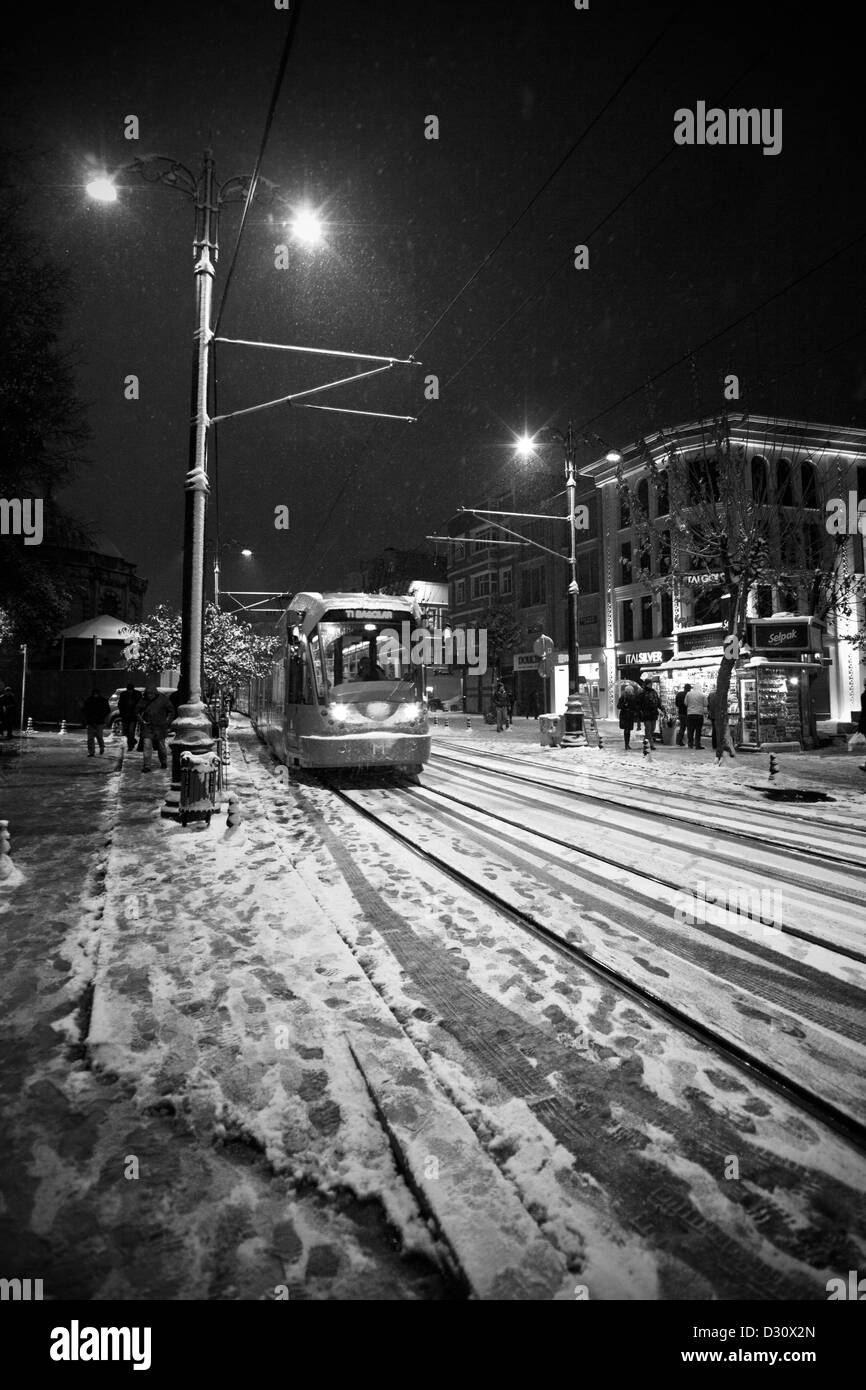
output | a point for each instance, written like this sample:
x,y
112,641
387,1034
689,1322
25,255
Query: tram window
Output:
x,y
358,652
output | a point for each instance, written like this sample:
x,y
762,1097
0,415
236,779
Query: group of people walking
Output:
x,y
145,718
640,703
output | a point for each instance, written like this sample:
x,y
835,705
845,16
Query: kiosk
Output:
x,y
774,688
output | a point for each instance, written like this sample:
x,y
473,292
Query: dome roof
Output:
x,y
101,545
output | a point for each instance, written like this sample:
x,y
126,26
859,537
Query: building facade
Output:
x,y
677,637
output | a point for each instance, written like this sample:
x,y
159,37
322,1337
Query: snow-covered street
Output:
x,y
552,1024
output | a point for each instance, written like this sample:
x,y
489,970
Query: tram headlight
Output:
x,y
339,714
411,712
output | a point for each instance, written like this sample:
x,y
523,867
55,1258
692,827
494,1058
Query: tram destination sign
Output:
x,y
338,615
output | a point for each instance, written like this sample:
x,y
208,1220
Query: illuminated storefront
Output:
x,y
775,688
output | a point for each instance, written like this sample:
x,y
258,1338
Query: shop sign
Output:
x,y
525,661
642,658
700,641
779,637
702,578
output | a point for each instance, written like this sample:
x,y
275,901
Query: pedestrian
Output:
x,y
126,706
500,706
95,711
649,705
627,706
8,705
155,713
861,727
510,707
680,703
696,708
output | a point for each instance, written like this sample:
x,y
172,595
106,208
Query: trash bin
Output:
x,y
198,784
668,731
551,728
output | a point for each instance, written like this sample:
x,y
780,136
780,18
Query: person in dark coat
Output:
x,y
8,705
500,706
861,727
156,713
649,705
627,706
680,703
126,707
95,711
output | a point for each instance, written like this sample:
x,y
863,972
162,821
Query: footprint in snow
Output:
x,y
653,969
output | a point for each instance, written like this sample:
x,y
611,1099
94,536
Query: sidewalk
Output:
x,y
833,770
204,1093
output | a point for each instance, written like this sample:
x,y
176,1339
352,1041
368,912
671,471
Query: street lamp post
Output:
x,y
549,433
573,709
192,727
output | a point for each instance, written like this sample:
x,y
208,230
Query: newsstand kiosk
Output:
x,y
775,686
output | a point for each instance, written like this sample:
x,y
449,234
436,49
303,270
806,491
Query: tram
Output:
x,y
343,691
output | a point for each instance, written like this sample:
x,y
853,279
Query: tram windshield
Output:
x,y
350,657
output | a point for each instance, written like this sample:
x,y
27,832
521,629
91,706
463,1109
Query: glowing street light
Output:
x,y
306,226
102,189
246,554
525,446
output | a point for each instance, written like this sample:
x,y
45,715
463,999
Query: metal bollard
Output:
x,y
63,726
30,729
646,746
774,766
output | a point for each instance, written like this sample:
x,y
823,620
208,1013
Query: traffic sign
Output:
x,y
542,645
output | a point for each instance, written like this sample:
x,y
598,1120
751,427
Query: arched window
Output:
x,y
759,478
809,483
784,483
663,496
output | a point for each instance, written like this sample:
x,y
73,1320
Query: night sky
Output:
x,y
698,243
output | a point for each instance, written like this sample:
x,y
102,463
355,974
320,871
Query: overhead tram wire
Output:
x,y
269,119
539,290
493,252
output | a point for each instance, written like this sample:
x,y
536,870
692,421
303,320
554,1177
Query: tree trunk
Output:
x,y
738,597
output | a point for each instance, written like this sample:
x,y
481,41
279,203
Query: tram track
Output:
x,y
693,803
832,1112
609,861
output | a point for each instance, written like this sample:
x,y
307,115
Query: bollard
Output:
x,y
30,729
600,739
774,766
6,865
468,722
63,726
234,821
646,746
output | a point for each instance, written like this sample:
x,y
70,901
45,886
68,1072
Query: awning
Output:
x,y
107,629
